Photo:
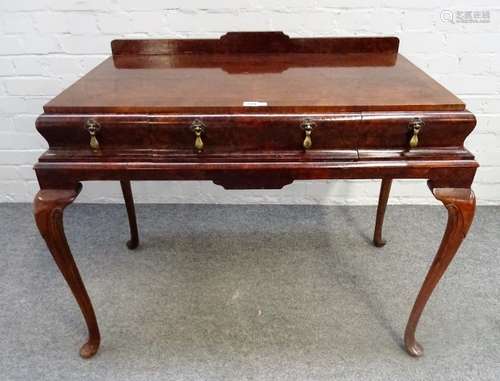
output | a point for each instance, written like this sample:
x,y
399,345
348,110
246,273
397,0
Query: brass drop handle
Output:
x,y
198,128
416,126
93,128
307,126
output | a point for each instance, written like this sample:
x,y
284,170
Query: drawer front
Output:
x,y
412,131
253,136
255,133
95,132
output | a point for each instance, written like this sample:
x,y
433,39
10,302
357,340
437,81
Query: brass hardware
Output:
x,y
307,125
93,128
198,128
415,128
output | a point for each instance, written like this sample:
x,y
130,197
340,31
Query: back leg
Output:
x,y
385,189
129,203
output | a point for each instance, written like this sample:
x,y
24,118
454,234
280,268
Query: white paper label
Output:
x,y
254,104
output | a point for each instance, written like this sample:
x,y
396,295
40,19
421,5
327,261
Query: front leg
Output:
x,y
461,205
48,209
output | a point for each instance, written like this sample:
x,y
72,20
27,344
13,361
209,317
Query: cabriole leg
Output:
x,y
129,203
385,189
461,205
48,210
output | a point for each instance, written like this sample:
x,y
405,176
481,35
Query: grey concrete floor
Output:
x,y
249,293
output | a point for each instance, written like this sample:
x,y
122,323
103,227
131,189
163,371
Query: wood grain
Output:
x,y
360,95
48,210
385,189
132,219
289,74
461,206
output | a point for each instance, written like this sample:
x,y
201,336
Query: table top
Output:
x,y
257,73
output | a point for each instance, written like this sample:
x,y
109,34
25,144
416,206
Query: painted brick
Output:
x,y
477,64
26,172
11,44
472,42
6,123
85,45
12,191
29,65
436,64
17,23
40,44
87,5
89,62
22,5
488,123
32,86
10,105
149,22
20,157
470,84
24,123
6,67
418,42
47,44
34,104
51,22
82,23
21,141
114,23
10,172
60,65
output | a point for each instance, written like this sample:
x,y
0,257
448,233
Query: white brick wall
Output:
x,y
46,44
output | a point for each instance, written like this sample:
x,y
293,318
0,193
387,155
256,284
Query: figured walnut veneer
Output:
x,y
358,96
